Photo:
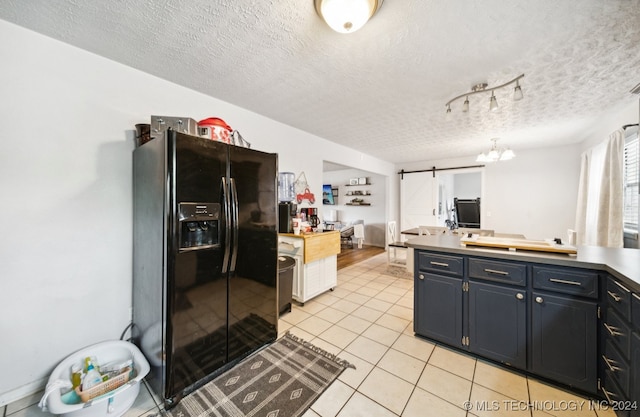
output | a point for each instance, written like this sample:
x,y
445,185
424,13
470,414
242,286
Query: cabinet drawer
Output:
x,y
617,366
619,297
635,314
566,281
441,263
506,272
617,330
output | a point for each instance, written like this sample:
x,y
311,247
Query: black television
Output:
x,y
467,212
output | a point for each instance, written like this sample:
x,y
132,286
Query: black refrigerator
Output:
x,y
204,258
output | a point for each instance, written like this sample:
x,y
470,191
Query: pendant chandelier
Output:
x,y
482,88
496,154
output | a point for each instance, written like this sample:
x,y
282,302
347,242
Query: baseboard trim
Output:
x,y
23,391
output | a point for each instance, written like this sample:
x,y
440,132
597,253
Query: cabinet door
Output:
x,y
563,340
330,272
438,308
318,276
498,323
312,280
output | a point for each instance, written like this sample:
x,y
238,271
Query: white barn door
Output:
x,y
418,200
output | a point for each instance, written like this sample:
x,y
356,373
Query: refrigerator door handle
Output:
x,y
226,206
234,214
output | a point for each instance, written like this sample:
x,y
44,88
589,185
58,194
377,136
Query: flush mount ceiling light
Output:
x,y
347,16
496,154
482,88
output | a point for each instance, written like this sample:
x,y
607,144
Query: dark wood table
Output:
x,y
414,231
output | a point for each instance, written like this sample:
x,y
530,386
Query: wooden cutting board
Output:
x,y
518,244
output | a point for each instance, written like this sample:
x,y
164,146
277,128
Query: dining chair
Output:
x,y
394,244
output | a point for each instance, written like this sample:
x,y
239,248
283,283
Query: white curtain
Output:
x,y
599,216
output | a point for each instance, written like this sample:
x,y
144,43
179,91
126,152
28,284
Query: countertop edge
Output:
x,y
309,235
623,264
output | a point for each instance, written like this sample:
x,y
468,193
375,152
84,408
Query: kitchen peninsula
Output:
x,y
316,269
570,319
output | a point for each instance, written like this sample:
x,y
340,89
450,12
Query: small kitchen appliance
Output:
x,y
286,213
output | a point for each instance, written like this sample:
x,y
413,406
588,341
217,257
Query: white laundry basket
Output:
x,y
113,403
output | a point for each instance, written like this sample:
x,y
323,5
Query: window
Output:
x,y
631,181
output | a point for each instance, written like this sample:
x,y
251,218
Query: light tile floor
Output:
x,y
368,320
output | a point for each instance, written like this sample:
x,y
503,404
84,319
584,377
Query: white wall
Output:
x,y
534,194
67,131
467,185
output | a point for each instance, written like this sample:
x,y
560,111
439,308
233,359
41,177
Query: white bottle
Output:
x,y
92,378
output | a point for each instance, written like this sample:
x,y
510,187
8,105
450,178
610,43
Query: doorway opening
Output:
x,y
429,200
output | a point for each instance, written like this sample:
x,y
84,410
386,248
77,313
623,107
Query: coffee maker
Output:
x,y
311,214
286,212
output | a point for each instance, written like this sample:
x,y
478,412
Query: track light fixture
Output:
x,y
496,154
347,16
482,88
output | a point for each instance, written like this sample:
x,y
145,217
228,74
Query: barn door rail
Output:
x,y
433,170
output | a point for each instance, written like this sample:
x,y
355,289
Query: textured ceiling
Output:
x,y
382,89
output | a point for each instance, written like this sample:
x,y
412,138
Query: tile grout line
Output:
x,y
415,386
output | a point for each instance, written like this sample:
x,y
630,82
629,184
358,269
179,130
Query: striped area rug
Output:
x,y
281,380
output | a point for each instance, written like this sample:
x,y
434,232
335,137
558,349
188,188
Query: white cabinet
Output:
x,y
316,269
316,278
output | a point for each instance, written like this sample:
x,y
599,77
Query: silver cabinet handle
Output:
x,y
439,264
613,331
615,296
495,271
622,287
608,395
539,300
421,276
520,296
564,281
609,364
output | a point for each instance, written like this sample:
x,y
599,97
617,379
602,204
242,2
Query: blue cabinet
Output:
x,y
564,325
538,318
438,308
634,405
497,310
498,323
620,344
438,297
564,340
